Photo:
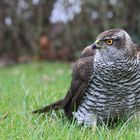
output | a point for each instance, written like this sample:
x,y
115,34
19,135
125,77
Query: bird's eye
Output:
x,y
109,41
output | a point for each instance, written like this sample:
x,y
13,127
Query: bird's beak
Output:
x,y
96,45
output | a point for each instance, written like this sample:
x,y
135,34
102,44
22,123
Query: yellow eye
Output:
x,y
109,41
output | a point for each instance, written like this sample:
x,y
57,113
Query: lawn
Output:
x,y
26,87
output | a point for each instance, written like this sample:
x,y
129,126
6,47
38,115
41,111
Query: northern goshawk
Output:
x,y
105,81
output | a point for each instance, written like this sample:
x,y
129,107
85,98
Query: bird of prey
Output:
x,y
105,81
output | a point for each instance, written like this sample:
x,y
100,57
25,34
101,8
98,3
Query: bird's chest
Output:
x,y
114,91
117,88
112,95
117,96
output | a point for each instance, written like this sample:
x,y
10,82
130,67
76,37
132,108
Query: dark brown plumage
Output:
x,y
80,78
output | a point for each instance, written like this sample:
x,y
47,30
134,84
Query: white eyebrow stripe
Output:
x,y
112,37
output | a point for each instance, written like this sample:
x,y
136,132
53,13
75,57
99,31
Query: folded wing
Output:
x,y
81,75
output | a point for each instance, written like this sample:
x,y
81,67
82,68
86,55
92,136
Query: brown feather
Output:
x,y
82,72
56,105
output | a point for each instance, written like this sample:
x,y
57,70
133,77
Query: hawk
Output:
x,y
105,81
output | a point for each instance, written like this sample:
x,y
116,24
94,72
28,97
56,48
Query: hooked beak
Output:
x,y
96,45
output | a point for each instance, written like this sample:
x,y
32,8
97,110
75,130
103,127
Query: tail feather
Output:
x,y
54,106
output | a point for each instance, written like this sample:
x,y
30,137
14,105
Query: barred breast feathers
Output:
x,y
114,89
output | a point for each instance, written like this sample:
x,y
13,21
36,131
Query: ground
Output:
x,y
26,87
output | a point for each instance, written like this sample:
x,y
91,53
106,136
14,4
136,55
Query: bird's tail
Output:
x,y
54,106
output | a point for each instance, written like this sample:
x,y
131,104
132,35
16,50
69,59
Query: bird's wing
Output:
x,y
81,75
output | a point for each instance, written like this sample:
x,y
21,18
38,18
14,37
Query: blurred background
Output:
x,y
60,29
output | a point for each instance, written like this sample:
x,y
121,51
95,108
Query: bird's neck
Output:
x,y
120,68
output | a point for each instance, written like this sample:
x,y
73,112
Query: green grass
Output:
x,y
24,88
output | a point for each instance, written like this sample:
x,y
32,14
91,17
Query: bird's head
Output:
x,y
114,44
